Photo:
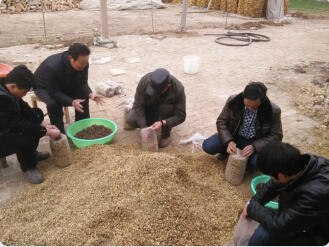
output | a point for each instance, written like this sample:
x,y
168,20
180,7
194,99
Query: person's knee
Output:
x,y
259,237
54,106
207,146
39,113
131,119
252,163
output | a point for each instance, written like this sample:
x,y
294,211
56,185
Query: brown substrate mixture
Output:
x,y
119,195
93,132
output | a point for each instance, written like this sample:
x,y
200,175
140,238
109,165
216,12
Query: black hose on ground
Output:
x,y
246,38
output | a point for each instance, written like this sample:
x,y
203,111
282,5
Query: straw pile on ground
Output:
x,y
119,195
250,8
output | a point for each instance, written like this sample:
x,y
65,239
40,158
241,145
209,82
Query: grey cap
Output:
x,y
160,79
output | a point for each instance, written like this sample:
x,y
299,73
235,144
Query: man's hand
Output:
x,y
98,99
77,106
48,126
54,133
247,151
51,127
245,214
231,148
145,135
156,126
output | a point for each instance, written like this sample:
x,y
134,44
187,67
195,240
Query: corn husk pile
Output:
x,y
215,4
119,195
286,5
202,3
177,1
229,5
251,8
192,2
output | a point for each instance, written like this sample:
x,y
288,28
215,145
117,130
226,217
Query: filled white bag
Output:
x,y
243,231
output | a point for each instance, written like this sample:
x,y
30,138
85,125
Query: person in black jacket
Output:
x,y
21,126
62,80
302,183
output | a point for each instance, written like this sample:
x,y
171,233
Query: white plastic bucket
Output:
x,y
191,64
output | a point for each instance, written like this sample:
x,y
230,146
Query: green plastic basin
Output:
x,y
85,123
263,179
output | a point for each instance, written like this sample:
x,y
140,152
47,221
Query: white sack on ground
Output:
x,y
275,10
135,4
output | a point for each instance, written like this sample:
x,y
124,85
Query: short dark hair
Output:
x,y
22,77
255,90
77,50
280,157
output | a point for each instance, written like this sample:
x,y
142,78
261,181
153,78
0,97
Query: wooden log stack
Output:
x,y
18,6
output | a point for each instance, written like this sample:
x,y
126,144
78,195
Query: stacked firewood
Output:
x,y
18,6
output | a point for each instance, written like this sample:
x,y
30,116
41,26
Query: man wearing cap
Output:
x,y
160,102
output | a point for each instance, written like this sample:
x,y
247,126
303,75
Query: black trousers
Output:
x,y
23,145
152,115
55,109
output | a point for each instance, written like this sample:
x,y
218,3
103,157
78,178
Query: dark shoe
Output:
x,y
42,155
222,156
34,176
164,142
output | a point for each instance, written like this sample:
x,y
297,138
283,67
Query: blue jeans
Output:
x,y
213,145
262,238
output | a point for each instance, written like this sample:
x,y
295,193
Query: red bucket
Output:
x,y
4,69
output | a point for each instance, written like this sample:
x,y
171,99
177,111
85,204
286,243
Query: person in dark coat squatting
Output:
x,y
302,184
21,126
62,80
248,121
160,102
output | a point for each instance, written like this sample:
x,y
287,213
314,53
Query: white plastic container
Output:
x,y
191,64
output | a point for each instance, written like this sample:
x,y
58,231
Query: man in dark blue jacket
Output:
x,y
21,126
62,80
302,183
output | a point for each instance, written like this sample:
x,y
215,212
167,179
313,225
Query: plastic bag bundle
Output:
x,y
243,231
127,109
196,139
235,168
108,88
117,87
61,151
149,140
104,89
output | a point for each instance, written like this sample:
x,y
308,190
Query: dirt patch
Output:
x,y
255,25
246,26
308,87
119,195
307,15
93,132
301,15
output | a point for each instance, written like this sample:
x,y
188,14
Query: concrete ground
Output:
x,y
223,71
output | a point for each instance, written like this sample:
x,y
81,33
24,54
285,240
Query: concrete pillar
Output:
x,y
104,23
